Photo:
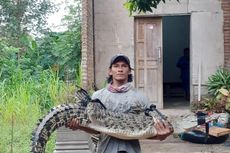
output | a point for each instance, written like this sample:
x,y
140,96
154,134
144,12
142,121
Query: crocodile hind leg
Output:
x,y
57,117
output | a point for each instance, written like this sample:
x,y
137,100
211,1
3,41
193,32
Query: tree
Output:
x,y
23,16
62,50
142,5
18,18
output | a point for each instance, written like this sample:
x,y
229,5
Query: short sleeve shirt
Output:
x,y
119,102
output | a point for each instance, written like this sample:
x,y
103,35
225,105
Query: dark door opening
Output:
x,y
176,78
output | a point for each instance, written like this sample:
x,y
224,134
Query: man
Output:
x,y
183,64
119,95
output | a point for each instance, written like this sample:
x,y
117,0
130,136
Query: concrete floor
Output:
x,y
176,103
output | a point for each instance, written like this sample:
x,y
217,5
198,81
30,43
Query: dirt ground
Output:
x,y
176,145
181,118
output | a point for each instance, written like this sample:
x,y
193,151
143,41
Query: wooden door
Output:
x,y
148,58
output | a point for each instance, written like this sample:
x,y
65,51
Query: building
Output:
x,y
154,42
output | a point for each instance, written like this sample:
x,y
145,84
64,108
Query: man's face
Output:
x,y
120,71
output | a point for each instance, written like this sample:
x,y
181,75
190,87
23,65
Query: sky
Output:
x,y
54,20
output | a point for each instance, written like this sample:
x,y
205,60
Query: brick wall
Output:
x,y
87,45
226,29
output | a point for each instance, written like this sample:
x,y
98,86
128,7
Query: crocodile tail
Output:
x,y
57,117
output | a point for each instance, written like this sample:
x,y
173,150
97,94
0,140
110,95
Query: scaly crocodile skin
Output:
x,y
92,114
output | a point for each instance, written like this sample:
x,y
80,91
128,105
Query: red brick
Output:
x,y
87,45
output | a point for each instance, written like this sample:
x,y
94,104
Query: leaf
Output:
x,y
149,9
33,45
223,91
130,7
221,79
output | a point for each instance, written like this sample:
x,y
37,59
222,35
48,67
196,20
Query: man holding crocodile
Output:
x,y
120,96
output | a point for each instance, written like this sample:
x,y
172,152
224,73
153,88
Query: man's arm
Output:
x,y
74,125
88,130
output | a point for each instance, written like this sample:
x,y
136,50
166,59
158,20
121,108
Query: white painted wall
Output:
x,y
207,43
207,47
113,34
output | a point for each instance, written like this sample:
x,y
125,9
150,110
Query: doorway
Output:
x,y
176,34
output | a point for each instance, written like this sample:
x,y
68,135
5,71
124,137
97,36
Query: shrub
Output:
x,y
218,99
221,79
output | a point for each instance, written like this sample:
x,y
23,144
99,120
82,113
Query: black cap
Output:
x,y
119,57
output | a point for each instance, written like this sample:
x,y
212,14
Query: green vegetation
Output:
x,y
221,79
36,73
23,102
218,99
142,5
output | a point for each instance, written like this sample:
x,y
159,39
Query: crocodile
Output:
x,y
94,115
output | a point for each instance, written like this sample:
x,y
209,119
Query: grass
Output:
x,y
22,103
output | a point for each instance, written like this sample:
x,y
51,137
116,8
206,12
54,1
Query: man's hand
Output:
x,y
164,129
73,124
